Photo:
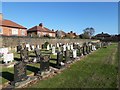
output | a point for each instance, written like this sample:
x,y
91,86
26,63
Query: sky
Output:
x,y
66,16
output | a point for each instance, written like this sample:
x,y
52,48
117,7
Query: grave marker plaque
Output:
x,y
19,72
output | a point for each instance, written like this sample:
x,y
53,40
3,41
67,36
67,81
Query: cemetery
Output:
x,y
31,63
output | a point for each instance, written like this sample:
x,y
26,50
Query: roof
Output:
x,y
40,29
9,23
103,35
63,33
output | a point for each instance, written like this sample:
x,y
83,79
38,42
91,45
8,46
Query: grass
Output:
x,y
97,70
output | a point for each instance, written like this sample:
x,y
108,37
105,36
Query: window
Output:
x,y
50,34
14,31
1,31
23,32
38,34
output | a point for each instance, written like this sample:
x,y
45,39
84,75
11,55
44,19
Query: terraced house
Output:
x,y
10,28
40,31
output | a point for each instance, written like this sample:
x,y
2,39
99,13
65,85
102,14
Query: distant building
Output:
x,y
71,34
40,31
102,35
60,33
10,28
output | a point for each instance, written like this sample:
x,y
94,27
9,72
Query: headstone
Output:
x,y
57,45
71,47
8,57
19,72
19,47
4,50
37,53
59,59
28,46
93,48
24,55
48,47
67,56
74,53
44,63
53,50
64,48
68,47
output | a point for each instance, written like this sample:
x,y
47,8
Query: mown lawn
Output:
x,y
97,70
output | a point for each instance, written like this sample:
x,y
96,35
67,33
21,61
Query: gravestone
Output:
x,y
59,59
19,47
53,50
64,48
19,72
74,53
37,53
28,46
57,45
87,49
44,63
71,47
48,47
9,57
67,56
24,55
84,53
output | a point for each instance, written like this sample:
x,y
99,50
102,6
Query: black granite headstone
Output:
x,y
44,63
24,55
19,47
19,72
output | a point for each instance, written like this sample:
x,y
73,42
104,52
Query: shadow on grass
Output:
x,y
17,59
51,63
7,75
32,69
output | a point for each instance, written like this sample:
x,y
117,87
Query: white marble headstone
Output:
x,y
64,47
8,58
48,47
74,53
53,50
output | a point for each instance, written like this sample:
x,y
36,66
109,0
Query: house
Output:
x,y
60,33
40,31
102,35
10,28
71,34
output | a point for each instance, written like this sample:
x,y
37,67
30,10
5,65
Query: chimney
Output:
x,y
53,30
1,17
41,25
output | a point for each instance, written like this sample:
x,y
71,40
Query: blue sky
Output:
x,y
66,16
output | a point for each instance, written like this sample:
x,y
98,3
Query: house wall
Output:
x,y
40,33
8,31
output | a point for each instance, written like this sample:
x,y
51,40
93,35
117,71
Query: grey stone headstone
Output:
x,y
59,59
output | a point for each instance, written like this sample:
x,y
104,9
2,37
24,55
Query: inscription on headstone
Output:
x,y
19,72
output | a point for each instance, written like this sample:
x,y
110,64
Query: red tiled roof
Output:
x,y
41,29
9,23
